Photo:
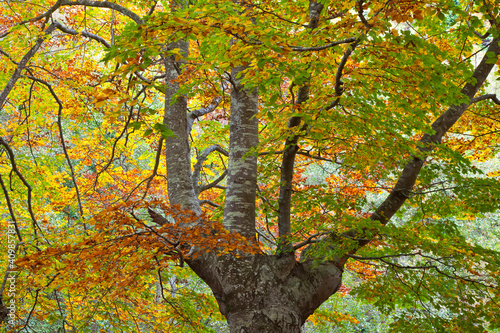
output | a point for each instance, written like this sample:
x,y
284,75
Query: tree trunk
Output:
x,y
268,293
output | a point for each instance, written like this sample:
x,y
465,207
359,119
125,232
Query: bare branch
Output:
x,y
303,153
493,97
263,235
478,34
386,256
155,168
361,16
157,218
208,202
338,76
45,15
115,143
214,183
195,114
199,164
278,16
104,4
153,174
83,33
152,8
311,239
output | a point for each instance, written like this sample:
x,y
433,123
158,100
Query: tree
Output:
x,y
382,94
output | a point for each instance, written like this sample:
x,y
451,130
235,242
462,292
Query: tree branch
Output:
x,y
208,202
83,33
26,184
214,183
195,114
310,240
408,177
323,47
361,16
104,4
11,210
199,165
493,97
22,64
290,151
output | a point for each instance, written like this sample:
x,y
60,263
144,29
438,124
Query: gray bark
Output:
x,y
264,293
104,4
239,211
291,149
180,186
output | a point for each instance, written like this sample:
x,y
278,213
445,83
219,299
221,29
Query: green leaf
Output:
x,y
135,125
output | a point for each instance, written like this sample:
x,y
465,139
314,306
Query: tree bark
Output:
x,y
268,293
239,211
180,185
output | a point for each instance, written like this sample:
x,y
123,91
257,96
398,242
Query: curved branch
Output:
x,y
310,240
338,76
152,8
45,15
361,16
214,183
304,153
493,97
25,182
104,4
154,174
208,202
195,114
83,33
199,164
63,144
113,149
155,168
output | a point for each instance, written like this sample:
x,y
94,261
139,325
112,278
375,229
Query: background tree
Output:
x,y
238,102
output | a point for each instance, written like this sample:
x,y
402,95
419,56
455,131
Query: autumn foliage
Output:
x,y
83,137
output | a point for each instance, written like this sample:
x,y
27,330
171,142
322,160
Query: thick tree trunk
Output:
x,y
265,293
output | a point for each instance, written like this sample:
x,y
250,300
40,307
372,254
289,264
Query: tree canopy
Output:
x,y
270,146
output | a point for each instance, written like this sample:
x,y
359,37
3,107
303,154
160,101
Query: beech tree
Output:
x,y
137,134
